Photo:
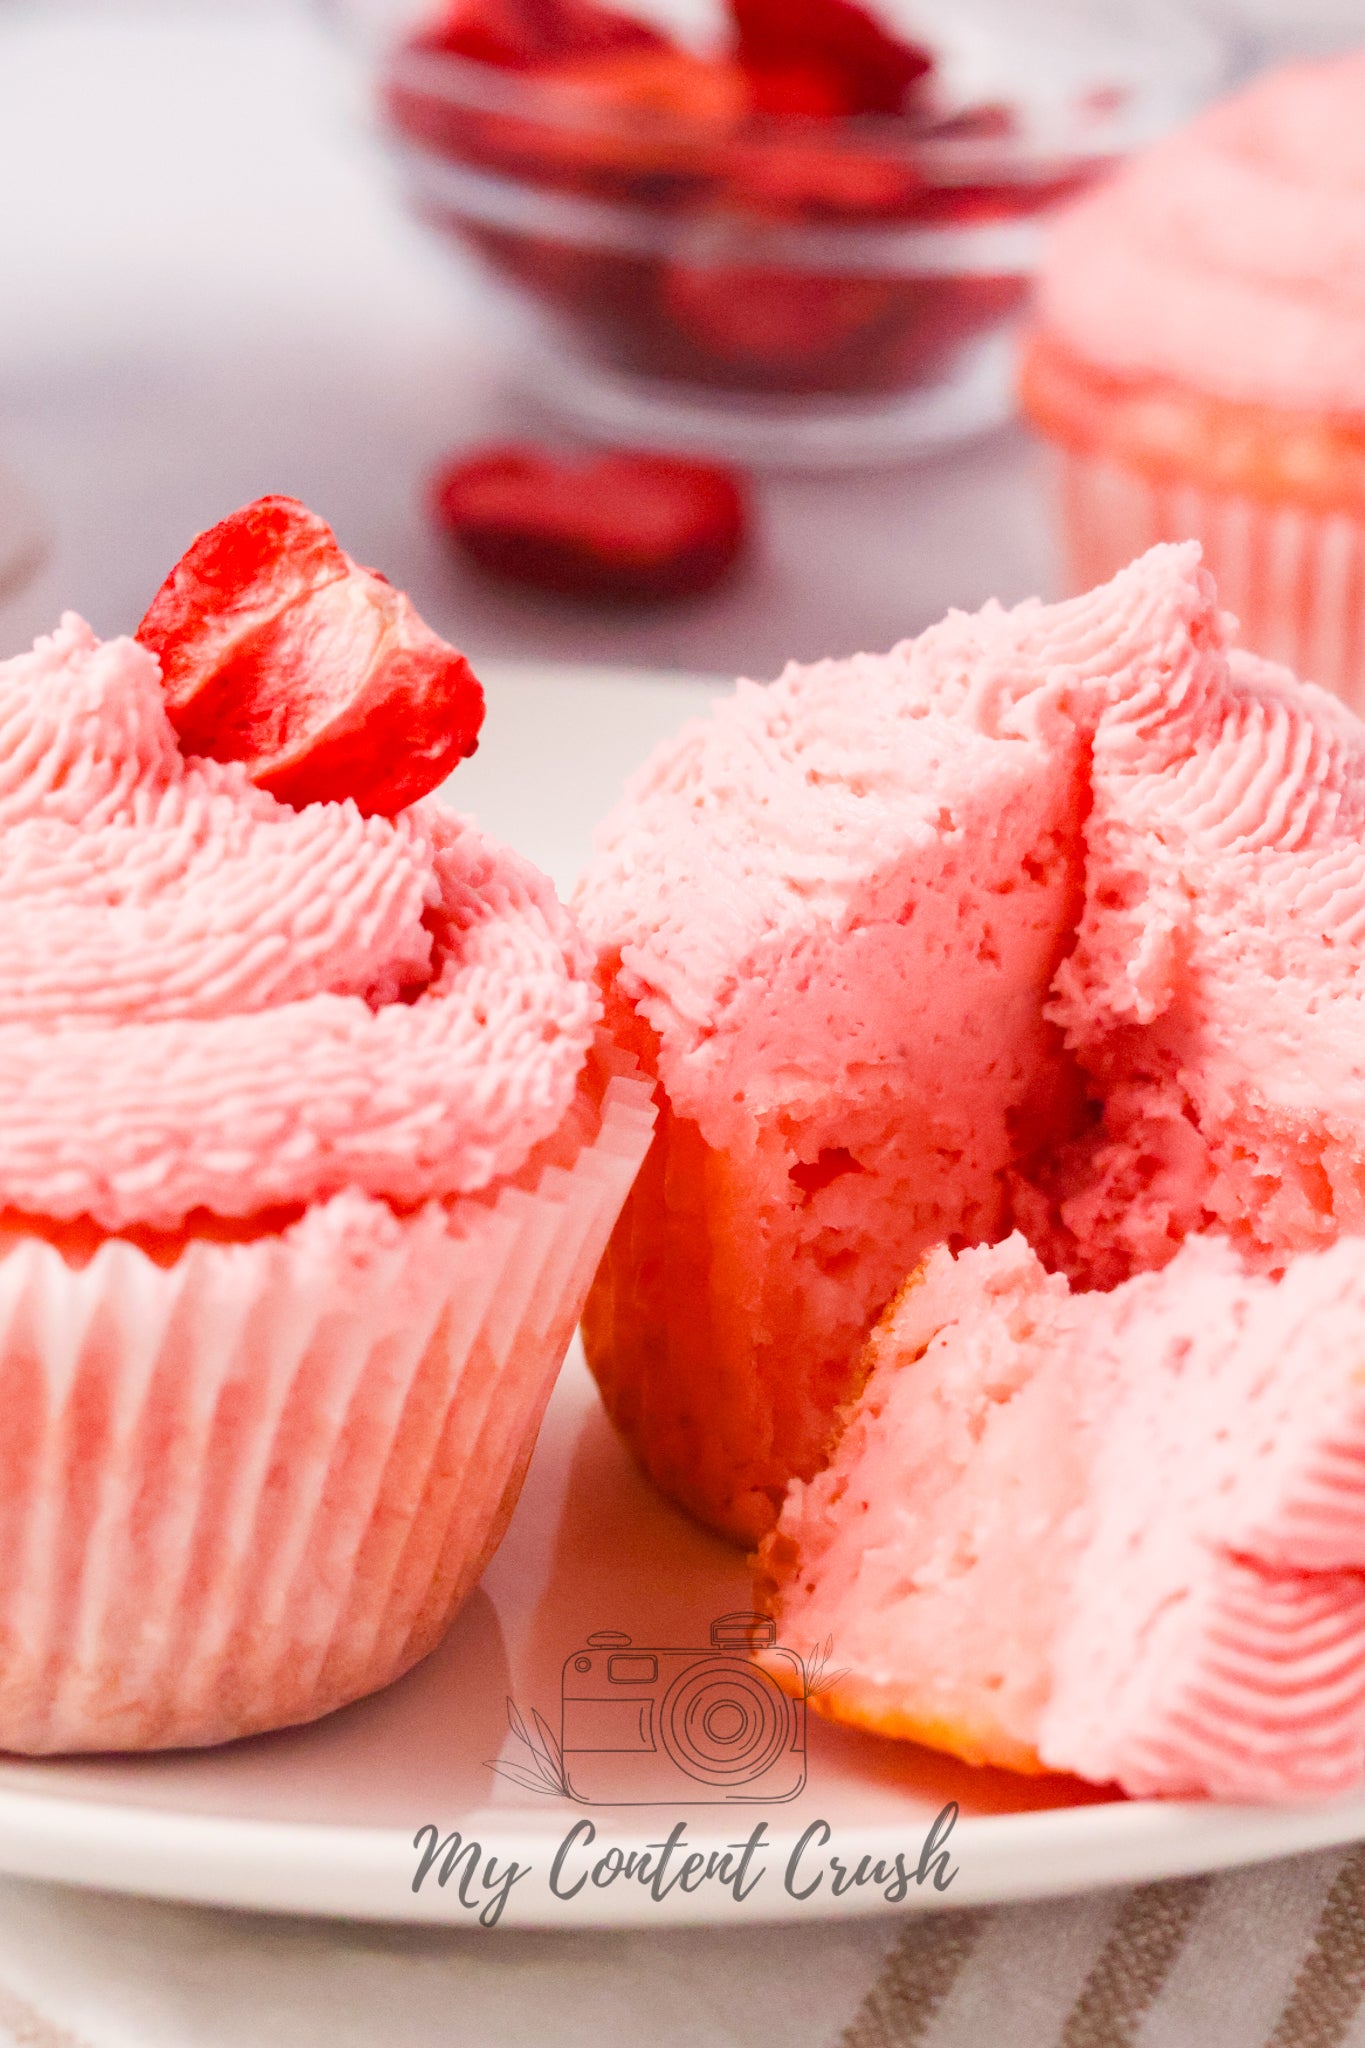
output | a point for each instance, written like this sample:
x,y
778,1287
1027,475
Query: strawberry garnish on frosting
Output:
x,y
279,651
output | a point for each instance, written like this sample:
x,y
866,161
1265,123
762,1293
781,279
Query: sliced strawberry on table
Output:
x,y
524,35
277,650
623,528
824,58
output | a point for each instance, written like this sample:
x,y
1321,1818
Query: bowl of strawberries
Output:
x,y
798,232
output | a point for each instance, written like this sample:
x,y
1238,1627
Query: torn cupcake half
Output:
x,y
1120,1535
1050,919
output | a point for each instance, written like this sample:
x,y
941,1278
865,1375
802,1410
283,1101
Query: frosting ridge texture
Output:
x,y
212,1002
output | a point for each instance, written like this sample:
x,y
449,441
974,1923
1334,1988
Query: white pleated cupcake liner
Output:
x,y
247,1484
1294,577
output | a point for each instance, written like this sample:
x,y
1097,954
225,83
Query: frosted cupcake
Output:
x,y
1049,919
1198,363
308,1148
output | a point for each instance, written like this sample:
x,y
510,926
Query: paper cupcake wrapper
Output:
x,y
245,1485
1294,577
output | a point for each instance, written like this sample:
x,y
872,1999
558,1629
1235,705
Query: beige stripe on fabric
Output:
x,y
1331,1982
1231,1979
1131,1968
1025,1973
26,2028
915,1979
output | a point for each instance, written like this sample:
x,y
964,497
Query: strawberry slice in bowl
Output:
x,y
825,59
278,650
524,35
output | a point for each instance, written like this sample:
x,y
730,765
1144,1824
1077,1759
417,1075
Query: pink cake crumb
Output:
x,y
1120,1535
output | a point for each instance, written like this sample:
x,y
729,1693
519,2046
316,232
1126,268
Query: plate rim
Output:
x,y
145,1848
351,1870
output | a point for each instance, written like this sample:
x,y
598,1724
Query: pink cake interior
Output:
x,y
1049,919
1114,1534
836,908
859,914
840,902
1214,995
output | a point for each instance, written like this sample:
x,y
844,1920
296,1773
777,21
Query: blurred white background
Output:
x,y
208,290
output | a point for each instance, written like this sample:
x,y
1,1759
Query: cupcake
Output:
x,y
1049,920
1115,1534
1197,364
309,1145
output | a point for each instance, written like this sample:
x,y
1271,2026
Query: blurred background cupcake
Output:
x,y
1197,361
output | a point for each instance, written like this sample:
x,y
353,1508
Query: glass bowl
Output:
x,y
780,289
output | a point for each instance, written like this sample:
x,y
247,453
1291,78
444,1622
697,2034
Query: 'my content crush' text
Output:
x,y
483,1882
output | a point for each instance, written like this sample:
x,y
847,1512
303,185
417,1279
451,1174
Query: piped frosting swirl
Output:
x,y
210,1001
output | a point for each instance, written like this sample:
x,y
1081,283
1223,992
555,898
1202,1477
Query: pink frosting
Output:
x,y
211,1001
1051,917
773,888
1214,996
1122,1531
760,878
1232,256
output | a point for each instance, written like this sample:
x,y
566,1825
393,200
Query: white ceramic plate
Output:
x,y
331,1819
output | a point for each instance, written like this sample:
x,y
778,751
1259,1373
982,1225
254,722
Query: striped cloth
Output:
x,y
1266,1958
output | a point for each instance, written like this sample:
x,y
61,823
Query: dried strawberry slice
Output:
x,y
824,57
646,125
547,38
276,649
525,35
621,528
805,179
777,328
672,86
